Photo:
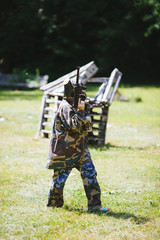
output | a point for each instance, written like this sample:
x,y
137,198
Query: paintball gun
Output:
x,y
78,93
78,90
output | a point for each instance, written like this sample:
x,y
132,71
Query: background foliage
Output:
x,y
56,35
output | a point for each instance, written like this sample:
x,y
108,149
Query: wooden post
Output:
x,y
54,111
103,125
41,118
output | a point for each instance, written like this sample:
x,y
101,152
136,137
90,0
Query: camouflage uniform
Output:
x,y
68,150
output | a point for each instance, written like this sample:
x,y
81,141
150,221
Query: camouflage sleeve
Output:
x,y
72,120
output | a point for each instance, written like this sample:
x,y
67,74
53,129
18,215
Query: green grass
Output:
x,y
128,169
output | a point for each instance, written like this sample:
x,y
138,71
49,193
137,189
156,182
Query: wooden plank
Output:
x,y
69,75
49,109
103,123
56,105
94,138
115,88
95,114
52,101
86,75
46,131
95,104
98,129
95,121
56,90
97,80
57,87
113,78
109,85
46,124
53,94
47,116
99,96
41,113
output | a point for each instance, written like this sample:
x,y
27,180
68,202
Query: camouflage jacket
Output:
x,y
68,140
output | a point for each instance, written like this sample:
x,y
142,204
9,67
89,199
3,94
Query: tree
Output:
x,y
56,36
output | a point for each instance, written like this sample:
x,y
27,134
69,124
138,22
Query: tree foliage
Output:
x,y
56,35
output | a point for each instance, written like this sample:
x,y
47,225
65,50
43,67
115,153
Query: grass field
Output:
x,y
128,169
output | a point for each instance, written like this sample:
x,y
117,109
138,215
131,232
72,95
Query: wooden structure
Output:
x,y
98,106
13,81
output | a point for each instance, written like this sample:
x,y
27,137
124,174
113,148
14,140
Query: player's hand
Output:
x,y
81,104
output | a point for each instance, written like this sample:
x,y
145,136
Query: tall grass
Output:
x,y
128,169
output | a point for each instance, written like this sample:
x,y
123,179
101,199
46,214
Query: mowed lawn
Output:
x,y
128,169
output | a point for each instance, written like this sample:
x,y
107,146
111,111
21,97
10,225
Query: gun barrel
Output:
x,y
76,93
77,80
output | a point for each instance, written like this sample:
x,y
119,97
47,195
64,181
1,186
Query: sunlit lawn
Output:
x,y
128,169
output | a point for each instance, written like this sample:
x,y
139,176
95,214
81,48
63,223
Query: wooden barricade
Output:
x,y
49,107
99,116
98,106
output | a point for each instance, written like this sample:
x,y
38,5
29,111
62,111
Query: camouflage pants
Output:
x,y
91,186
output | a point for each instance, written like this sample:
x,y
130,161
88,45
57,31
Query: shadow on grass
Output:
x,y
123,215
110,146
118,215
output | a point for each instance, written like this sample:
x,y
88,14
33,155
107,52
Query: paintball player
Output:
x,y
68,150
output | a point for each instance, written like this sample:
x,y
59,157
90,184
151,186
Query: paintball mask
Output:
x,y
69,90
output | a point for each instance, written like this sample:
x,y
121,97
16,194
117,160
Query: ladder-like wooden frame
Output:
x,y
98,106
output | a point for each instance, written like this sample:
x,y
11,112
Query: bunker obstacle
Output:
x,y
98,106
